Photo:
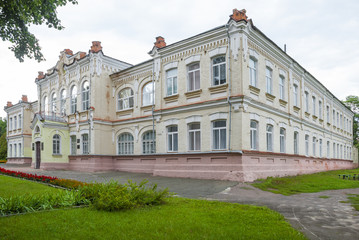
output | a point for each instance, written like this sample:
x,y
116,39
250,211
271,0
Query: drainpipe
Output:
x,y
153,104
89,113
229,90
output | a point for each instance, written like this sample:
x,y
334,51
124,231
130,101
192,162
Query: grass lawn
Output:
x,y
308,183
354,200
178,219
11,186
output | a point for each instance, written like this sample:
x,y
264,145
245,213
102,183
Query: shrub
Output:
x,y
67,183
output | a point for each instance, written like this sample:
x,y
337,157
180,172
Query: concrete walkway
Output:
x,y
317,218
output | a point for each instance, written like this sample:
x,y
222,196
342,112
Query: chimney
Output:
x,y
68,52
239,15
82,55
40,75
24,98
96,47
9,104
160,42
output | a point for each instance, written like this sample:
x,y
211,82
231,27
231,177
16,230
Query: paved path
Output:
x,y
317,218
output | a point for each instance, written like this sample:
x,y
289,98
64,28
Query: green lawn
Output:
x,y
354,200
308,183
10,186
179,218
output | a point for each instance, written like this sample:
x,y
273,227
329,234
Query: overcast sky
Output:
x,y
321,35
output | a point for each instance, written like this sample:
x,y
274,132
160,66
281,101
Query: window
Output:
x,y
56,141
314,146
254,134
281,87
341,151
296,142
20,150
320,148
320,108
328,114
125,144
307,145
306,98
10,124
334,155
148,94
269,136
149,142
219,70
337,120
253,71
219,134
85,93
295,95
328,149
85,143
63,102
314,104
341,121
194,77
73,145
282,140
73,99
15,123
194,135
171,82
125,99
172,138
53,103
20,121
15,150
10,150
269,83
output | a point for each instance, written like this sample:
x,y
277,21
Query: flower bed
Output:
x,y
34,177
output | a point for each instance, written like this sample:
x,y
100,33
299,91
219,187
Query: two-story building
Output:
x,y
224,104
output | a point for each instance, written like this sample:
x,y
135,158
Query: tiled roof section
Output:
x,y
239,15
68,52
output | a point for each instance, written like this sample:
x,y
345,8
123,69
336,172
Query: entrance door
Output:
x,y
38,155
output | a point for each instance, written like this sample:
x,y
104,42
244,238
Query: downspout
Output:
x,y
153,105
229,90
89,116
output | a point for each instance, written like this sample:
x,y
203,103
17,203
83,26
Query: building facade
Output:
x,y
224,104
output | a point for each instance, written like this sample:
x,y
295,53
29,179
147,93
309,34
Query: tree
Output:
x,y
17,15
353,103
3,143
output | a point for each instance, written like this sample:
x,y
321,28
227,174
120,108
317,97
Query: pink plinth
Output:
x,y
19,160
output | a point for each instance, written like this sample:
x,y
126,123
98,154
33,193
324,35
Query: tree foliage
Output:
x,y
353,103
3,143
17,15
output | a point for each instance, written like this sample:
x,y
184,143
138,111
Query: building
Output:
x,y
224,104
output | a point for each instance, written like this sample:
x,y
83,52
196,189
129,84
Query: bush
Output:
x,y
67,183
30,203
112,196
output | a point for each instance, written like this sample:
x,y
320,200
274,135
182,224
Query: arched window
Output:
x,y
63,102
125,144
56,141
53,103
194,135
45,105
269,136
149,142
85,93
282,140
73,99
125,99
148,94
254,135
37,129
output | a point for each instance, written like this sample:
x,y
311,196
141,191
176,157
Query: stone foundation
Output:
x,y
235,166
19,160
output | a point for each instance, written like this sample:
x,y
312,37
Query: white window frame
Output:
x,y
73,144
306,98
85,96
217,143
314,104
269,137
149,142
85,143
295,95
172,138
63,101
320,109
193,135
314,146
320,147
20,121
194,80
306,145
53,102
328,149
125,144
171,82
328,114
56,144
148,94
15,122
296,142
221,67
269,80
253,68
282,140
281,87
125,102
73,106
254,135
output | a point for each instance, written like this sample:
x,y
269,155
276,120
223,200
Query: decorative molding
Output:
x,y
170,66
253,53
193,94
217,51
270,121
269,64
172,121
217,116
194,118
192,59
218,88
254,116
171,98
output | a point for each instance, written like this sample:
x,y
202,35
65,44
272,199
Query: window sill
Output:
x,y
147,107
307,114
124,111
270,97
218,88
314,117
296,109
171,98
254,90
283,103
321,120
193,94
328,123
57,155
